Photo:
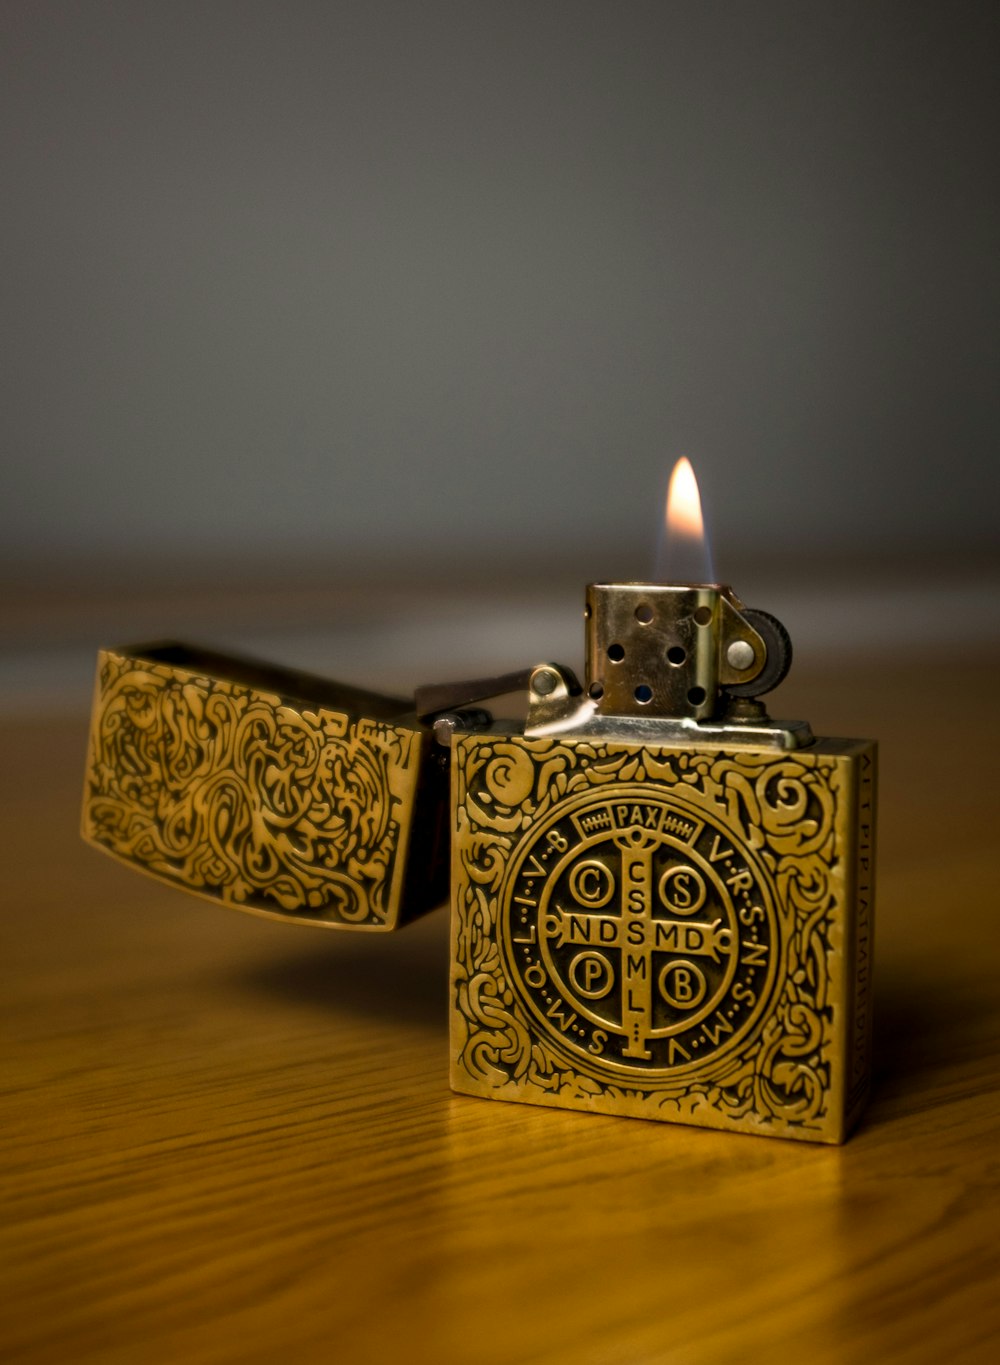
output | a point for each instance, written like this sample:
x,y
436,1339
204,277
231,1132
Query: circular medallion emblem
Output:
x,y
640,934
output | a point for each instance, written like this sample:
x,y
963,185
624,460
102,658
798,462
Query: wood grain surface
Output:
x,y
226,1140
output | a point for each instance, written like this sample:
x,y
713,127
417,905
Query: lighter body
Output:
x,y
681,933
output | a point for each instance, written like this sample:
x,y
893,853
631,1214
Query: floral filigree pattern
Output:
x,y
792,810
236,795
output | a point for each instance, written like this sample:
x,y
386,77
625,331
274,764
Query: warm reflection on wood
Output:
x,y
223,1142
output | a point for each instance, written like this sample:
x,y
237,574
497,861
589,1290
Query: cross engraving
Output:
x,y
637,934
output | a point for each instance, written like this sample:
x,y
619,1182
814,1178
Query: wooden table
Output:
x,y
227,1140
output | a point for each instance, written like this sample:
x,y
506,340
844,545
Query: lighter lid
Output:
x,y
265,789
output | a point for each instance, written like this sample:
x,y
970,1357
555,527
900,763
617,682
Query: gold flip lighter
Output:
x,y
662,900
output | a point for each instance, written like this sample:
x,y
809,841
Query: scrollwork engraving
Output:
x,y
237,795
527,1022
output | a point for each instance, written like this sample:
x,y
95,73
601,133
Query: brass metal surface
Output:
x,y
666,664
264,789
561,709
662,901
676,933
663,650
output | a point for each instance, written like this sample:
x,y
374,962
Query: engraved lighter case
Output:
x,y
663,900
265,789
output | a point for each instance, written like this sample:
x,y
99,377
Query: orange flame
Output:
x,y
684,553
684,503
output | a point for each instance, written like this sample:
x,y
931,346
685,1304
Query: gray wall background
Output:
x,y
423,279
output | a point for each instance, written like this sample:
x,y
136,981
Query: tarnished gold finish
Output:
x,y
679,933
264,789
654,648
662,899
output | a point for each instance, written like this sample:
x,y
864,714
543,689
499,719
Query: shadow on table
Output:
x,y
929,1035
399,977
